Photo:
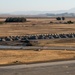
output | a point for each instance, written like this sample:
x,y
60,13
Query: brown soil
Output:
x,y
24,56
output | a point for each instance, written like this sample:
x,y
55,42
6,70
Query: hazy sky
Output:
x,y
41,5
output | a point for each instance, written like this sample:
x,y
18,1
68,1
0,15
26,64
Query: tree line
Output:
x,y
15,19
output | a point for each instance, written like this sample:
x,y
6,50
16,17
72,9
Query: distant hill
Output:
x,y
43,12
70,12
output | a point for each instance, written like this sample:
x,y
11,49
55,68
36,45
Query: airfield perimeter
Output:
x,y
37,26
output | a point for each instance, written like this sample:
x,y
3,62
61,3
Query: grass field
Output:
x,y
57,42
24,56
37,26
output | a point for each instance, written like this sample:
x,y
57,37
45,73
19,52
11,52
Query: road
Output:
x,y
53,68
37,48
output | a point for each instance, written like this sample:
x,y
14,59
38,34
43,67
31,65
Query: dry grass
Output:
x,y
24,56
36,26
57,42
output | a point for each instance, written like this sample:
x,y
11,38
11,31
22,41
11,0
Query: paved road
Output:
x,y
53,68
34,47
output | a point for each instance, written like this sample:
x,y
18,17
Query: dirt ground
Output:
x,y
36,26
40,26
57,42
24,56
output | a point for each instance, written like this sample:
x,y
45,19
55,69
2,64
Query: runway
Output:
x,y
53,68
37,47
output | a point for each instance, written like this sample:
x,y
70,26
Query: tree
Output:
x,y
58,18
63,18
70,22
15,19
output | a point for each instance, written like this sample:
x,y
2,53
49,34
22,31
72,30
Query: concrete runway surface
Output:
x,y
50,68
36,47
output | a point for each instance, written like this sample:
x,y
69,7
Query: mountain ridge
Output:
x,y
70,12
